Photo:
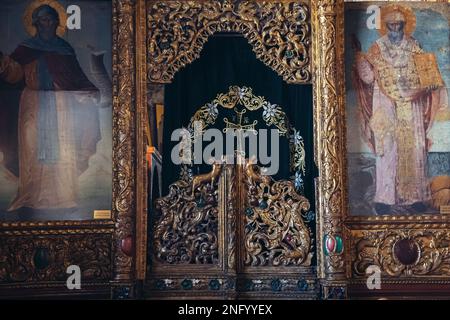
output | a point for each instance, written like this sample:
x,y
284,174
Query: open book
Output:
x,y
428,70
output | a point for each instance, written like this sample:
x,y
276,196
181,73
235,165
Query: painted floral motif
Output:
x,y
242,92
211,109
186,173
297,147
269,110
298,181
274,115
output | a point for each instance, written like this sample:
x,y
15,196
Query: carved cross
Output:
x,y
240,130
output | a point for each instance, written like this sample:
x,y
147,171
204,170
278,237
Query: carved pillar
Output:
x,y
142,142
328,22
123,148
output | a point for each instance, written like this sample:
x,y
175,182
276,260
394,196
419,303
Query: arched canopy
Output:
x,y
279,33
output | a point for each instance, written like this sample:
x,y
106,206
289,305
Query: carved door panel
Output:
x,y
274,233
232,233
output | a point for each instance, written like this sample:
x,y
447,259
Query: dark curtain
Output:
x,y
228,60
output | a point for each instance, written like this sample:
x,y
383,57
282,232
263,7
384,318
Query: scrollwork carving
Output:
x,y
186,228
232,211
428,254
329,129
279,33
275,233
123,133
46,258
186,232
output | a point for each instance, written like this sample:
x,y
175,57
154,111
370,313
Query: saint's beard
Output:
x,y
395,36
47,33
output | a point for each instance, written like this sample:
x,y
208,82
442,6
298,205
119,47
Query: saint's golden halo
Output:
x,y
408,13
28,16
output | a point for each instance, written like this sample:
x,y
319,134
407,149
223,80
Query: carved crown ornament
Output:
x,y
272,115
279,33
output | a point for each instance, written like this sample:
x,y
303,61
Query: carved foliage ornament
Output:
x,y
328,26
401,253
123,132
279,33
30,258
275,231
293,285
186,231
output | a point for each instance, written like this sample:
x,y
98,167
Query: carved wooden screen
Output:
x,y
232,232
235,231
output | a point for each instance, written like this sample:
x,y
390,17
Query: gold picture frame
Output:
x,y
376,240
102,247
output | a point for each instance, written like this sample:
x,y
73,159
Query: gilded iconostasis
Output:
x,y
116,163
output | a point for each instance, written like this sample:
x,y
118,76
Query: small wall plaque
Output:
x,y
445,209
102,214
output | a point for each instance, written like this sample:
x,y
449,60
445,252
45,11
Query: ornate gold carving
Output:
x,y
272,114
186,228
232,206
186,232
123,133
202,178
335,291
54,232
243,96
291,285
142,140
275,233
46,258
378,248
239,125
398,222
39,227
278,31
329,124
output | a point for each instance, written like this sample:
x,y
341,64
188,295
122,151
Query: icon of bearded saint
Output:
x,y
58,123
398,101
